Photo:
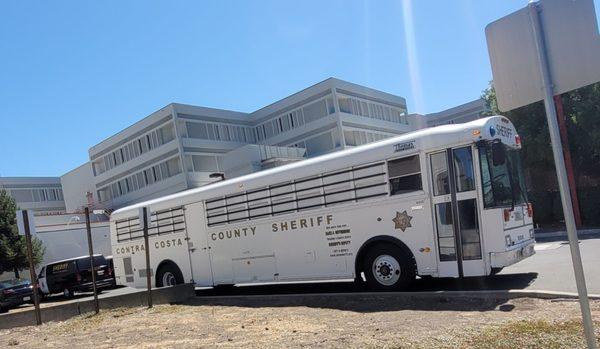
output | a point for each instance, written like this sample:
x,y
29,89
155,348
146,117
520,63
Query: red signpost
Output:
x,y
564,137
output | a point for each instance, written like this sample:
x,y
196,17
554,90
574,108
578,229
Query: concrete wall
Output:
x,y
65,236
76,184
61,312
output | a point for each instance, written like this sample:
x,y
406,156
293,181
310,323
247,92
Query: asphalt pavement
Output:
x,y
554,268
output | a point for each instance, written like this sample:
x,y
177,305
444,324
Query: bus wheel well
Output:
x,y
378,240
168,265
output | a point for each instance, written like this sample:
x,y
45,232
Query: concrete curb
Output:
x,y
182,293
501,294
60,312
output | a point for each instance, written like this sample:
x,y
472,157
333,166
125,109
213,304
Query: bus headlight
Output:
x,y
508,240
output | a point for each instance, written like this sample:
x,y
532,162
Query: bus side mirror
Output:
x,y
498,153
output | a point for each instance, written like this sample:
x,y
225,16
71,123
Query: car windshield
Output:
x,y
503,184
13,283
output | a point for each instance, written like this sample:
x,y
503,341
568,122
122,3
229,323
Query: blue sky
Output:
x,y
75,72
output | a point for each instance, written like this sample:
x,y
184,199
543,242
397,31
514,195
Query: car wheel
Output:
x,y
388,268
168,275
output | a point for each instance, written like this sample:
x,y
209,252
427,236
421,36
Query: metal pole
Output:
x,y
91,251
563,184
147,248
32,275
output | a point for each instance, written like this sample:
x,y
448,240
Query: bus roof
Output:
x,y
493,127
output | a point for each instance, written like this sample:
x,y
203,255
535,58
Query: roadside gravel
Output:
x,y
347,322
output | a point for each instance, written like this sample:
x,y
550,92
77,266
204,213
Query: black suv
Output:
x,y
75,275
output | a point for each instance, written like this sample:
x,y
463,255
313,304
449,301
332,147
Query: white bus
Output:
x,y
448,201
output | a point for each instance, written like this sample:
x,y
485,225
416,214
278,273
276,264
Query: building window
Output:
x,y
361,107
315,111
197,130
319,144
202,163
135,148
22,195
139,180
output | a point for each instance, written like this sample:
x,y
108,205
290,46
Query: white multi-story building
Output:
x,y
466,112
41,194
179,146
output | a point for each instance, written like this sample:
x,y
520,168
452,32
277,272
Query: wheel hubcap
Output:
x,y
169,279
386,270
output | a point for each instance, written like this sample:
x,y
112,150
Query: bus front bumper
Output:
x,y
506,258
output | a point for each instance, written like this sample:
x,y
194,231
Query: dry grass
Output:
x,y
522,334
531,334
528,324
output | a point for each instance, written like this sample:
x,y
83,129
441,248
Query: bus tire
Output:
x,y
168,274
388,268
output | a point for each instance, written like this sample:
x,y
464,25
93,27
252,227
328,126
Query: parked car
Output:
x,y
14,293
75,275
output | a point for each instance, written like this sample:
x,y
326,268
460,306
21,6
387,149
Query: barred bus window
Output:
x,y
283,198
347,185
404,175
162,222
338,188
309,193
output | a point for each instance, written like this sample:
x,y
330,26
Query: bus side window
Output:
x,y
405,175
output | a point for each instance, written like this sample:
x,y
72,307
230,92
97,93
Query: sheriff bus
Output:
x,y
448,201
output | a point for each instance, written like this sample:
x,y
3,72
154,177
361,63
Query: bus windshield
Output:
x,y
503,184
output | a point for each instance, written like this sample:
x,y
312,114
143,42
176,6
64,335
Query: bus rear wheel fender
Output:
x,y
387,265
168,274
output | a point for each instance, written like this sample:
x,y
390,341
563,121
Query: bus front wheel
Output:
x,y
168,275
388,268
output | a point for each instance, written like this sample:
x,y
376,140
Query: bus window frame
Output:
x,y
482,149
420,173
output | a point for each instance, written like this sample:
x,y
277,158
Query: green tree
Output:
x,y
13,248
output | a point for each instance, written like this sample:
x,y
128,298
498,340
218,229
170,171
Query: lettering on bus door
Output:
x,y
454,198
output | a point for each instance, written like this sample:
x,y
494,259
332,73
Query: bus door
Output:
x,y
199,251
454,199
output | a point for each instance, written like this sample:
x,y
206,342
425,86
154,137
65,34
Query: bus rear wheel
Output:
x,y
168,275
388,268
